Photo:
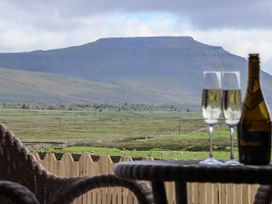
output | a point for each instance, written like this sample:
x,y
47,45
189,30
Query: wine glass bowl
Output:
x,y
231,105
211,107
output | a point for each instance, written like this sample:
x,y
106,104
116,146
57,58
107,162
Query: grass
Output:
x,y
152,153
84,126
158,134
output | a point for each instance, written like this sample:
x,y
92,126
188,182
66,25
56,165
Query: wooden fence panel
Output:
x,y
192,193
85,168
198,193
121,195
105,166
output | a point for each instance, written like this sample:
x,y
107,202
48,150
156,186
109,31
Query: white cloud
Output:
x,y
208,14
239,27
15,39
240,42
26,38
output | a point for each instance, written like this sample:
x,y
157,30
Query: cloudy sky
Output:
x,y
239,26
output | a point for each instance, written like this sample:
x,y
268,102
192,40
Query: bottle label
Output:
x,y
254,147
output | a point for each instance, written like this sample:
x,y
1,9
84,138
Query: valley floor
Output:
x,y
158,134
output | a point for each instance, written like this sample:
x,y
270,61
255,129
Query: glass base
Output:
x,y
211,161
232,162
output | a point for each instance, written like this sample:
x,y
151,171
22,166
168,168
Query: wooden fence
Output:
x,y
86,165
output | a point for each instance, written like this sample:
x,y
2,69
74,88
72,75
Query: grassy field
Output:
x,y
152,153
159,134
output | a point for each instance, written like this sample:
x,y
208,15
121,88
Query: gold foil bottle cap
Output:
x,y
254,57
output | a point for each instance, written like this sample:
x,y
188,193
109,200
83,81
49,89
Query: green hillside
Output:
x,y
16,85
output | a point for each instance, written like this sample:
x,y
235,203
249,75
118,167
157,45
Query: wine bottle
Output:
x,y
254,128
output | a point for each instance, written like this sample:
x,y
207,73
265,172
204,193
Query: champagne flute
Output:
x,y
231,90
211,108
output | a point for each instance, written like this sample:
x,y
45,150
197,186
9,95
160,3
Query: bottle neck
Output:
x,y
253,75
254,94
254,70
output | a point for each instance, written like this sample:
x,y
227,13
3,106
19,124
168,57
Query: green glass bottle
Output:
x,y
254,128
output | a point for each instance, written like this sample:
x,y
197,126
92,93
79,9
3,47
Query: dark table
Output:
x,y
181,172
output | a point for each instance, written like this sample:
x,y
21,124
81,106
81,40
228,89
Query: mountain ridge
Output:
x,y
159,70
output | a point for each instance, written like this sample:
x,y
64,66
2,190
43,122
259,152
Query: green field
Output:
x,y
159,134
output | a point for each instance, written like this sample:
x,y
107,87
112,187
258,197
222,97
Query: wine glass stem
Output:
x,y
211,141
231,142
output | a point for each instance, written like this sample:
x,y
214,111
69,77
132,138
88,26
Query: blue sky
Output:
x,y
239,26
